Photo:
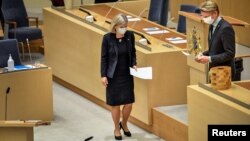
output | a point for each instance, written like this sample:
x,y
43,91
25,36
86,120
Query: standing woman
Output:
x,y
118,54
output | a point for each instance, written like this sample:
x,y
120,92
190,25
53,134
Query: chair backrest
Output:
x,y
57,2
1,15
7,47
14,10
105,1
181,27
158,11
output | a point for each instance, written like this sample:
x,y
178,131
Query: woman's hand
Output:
x,y
134,67
104,81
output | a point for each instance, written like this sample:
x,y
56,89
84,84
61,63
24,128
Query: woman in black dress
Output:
x,y
118,54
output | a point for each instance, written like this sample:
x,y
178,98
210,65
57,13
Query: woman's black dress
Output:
x,y
120,89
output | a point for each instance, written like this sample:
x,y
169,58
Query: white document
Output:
x,y
143,73
133,19
150,28
128,16
157,32
174,38
179,41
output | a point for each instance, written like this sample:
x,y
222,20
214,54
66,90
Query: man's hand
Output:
x,y
202,59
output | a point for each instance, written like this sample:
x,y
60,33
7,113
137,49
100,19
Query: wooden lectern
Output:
x,y
18,130
26,94
199,72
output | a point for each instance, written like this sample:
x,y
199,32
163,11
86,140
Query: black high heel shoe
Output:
x,y
117,137
128,134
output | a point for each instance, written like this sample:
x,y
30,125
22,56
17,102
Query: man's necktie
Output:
x,y
211,27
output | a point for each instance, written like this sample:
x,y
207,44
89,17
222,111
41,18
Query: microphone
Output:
x,y
105,18
145,9
90,16
6,102
142,36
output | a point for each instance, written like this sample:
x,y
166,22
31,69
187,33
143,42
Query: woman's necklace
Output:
x,y
120,40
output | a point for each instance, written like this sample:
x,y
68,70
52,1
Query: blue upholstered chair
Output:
x,y
158,11
181,27
14,13
7,47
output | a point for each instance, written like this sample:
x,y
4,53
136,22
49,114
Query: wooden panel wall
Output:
x,y
235,8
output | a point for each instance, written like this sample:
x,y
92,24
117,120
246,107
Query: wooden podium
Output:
x,y
26,94
199,72
223,107
18,130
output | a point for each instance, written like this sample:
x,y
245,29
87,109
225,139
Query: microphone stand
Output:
x,y
145,9
87,12
142,36
109,12
28,45
6,102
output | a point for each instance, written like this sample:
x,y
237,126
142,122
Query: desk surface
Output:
x,y
231,20
100,13
19,123
138,25
5,71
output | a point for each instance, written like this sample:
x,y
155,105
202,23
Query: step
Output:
x,y
171,122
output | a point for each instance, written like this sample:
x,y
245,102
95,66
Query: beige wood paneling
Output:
x,y
30,96
168,127
16,134
205,107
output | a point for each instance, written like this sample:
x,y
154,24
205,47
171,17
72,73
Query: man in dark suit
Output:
x,y
221,38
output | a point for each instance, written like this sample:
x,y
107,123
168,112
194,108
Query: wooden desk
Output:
x,y
29,97
17,130
101,10
206,107
73,50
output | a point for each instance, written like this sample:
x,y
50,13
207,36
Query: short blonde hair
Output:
x,y
208,6
117,20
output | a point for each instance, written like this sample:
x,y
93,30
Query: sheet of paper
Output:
x,y
174,38
143,73
150,28
133,19
128,16
179,41
157,32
